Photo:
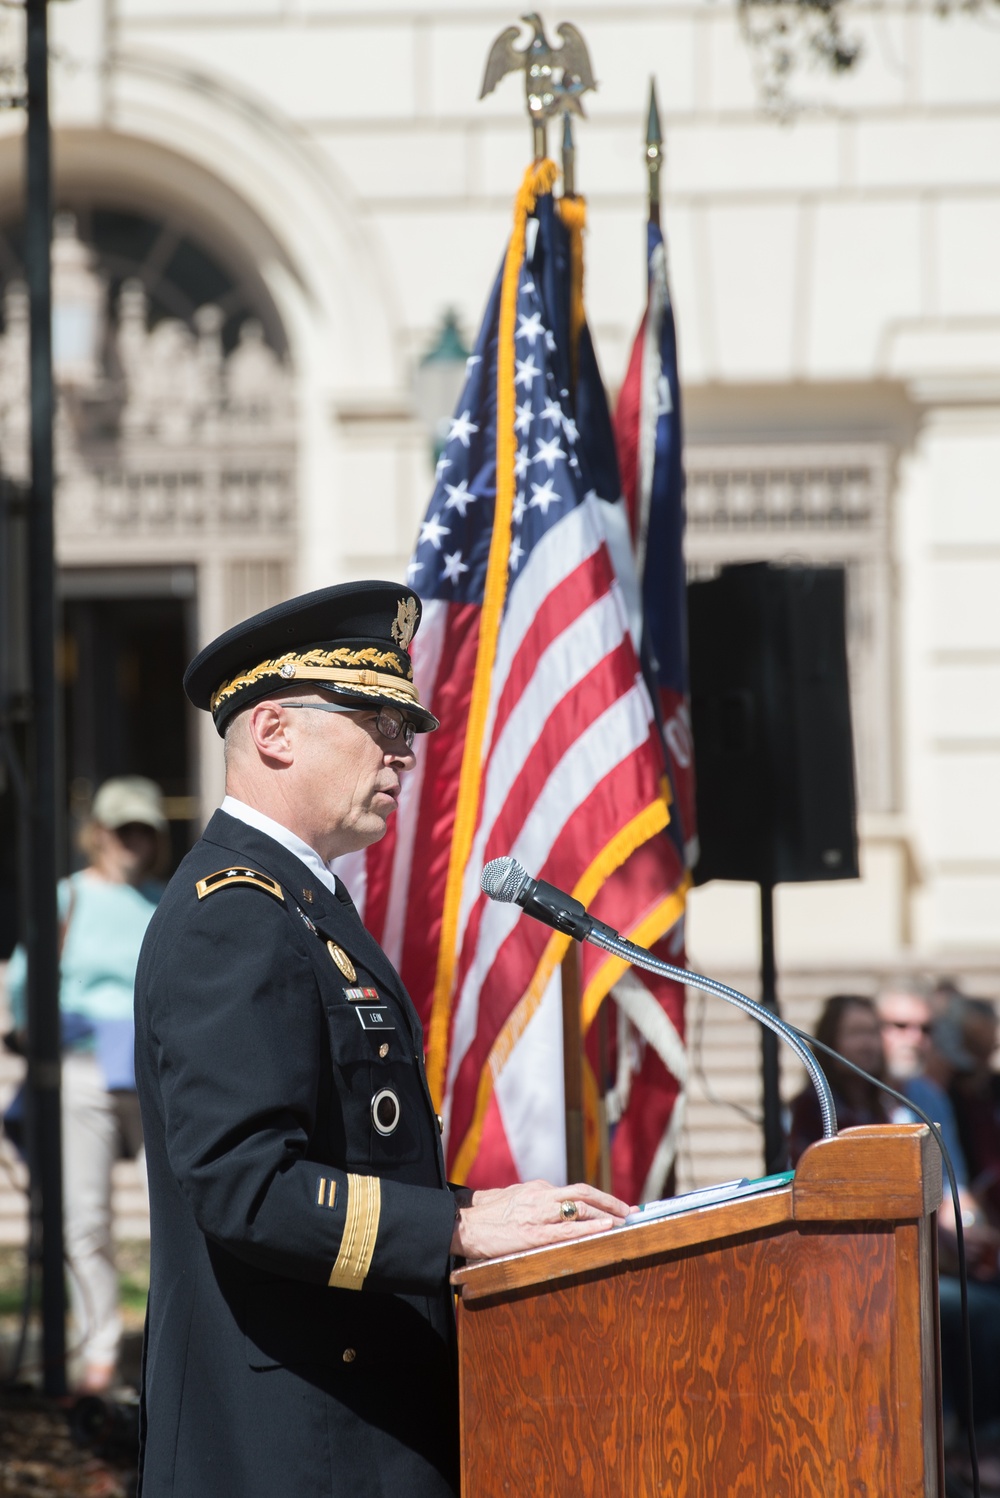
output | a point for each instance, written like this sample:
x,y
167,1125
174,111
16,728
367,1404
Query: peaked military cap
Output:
x,y
352,640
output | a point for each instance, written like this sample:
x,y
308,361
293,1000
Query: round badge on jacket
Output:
x,y
385,1111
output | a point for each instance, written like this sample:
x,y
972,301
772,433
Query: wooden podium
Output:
x,y
778,1346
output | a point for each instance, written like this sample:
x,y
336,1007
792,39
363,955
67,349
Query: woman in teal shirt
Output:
x,y
104,911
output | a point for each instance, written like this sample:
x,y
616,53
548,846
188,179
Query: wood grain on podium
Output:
x,y
778,1345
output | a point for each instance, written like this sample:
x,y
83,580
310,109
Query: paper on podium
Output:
x,y
709,1196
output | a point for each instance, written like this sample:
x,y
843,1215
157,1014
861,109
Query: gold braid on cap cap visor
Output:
x,y
356,669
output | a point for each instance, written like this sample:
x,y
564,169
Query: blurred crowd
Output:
x,y
934,1046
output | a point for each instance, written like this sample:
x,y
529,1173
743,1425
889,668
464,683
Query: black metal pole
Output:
x,y
42,935
774,1133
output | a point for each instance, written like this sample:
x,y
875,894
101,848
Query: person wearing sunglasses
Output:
x,y
300,1334
904,1016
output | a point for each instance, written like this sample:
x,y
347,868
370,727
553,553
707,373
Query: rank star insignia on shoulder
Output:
x,y
226,877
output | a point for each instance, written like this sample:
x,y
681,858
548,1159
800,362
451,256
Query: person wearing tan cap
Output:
x,y
104,911
300,1338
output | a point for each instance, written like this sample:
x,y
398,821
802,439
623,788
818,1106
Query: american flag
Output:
x,y
548,749
545,750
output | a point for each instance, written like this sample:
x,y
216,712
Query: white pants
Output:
x,y
90,1148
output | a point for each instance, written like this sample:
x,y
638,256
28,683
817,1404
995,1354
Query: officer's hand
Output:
x,y
531,1215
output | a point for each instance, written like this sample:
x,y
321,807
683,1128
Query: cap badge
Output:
x,y
405,622
342,960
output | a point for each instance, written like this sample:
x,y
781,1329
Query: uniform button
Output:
x,y
383,1049
440,1123
349,1354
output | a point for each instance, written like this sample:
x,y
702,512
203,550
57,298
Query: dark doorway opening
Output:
x,y
126,639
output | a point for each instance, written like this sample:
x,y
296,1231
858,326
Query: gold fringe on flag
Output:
x,y
539,179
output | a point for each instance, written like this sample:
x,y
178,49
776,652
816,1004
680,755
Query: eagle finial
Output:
x,y
554,77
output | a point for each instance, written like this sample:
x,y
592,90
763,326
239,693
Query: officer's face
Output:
x,y
352,775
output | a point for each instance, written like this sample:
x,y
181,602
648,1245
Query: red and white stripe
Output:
x,y
567,760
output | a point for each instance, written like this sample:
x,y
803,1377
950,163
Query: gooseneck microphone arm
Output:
x,y
619,946
505,880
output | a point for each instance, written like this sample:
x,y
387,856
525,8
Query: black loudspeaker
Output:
x,y
771,718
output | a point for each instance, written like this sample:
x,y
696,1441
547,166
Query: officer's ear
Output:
x,y
268,729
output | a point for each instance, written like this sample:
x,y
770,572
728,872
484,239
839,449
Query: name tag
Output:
x,y
374,1017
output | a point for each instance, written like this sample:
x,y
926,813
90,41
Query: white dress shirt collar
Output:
x,y
254,818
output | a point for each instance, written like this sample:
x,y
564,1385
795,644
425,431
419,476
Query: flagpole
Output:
x,y
654,154
604,1084
568,158
539,143
572,996
572,989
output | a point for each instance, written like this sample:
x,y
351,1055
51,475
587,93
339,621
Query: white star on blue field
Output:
x,y
453,546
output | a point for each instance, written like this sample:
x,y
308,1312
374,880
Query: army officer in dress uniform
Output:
x,y
300,1333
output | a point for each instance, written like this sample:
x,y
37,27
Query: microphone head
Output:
x,y
504,879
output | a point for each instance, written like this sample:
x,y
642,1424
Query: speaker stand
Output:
x,y
774,1133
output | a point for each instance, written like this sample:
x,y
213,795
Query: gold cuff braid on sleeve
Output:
x,y
357,1244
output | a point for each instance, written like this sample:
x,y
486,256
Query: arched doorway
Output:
x,y
175,455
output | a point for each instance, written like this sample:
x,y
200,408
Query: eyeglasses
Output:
x,y
389,726
905,1024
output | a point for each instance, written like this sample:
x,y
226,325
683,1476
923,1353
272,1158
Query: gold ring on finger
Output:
x,y
568,1210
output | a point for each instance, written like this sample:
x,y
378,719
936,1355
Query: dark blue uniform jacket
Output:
x,y
300,1332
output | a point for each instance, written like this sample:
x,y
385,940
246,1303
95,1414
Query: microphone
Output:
x,y
506,880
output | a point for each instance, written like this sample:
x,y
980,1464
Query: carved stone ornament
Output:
x,y
160,432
